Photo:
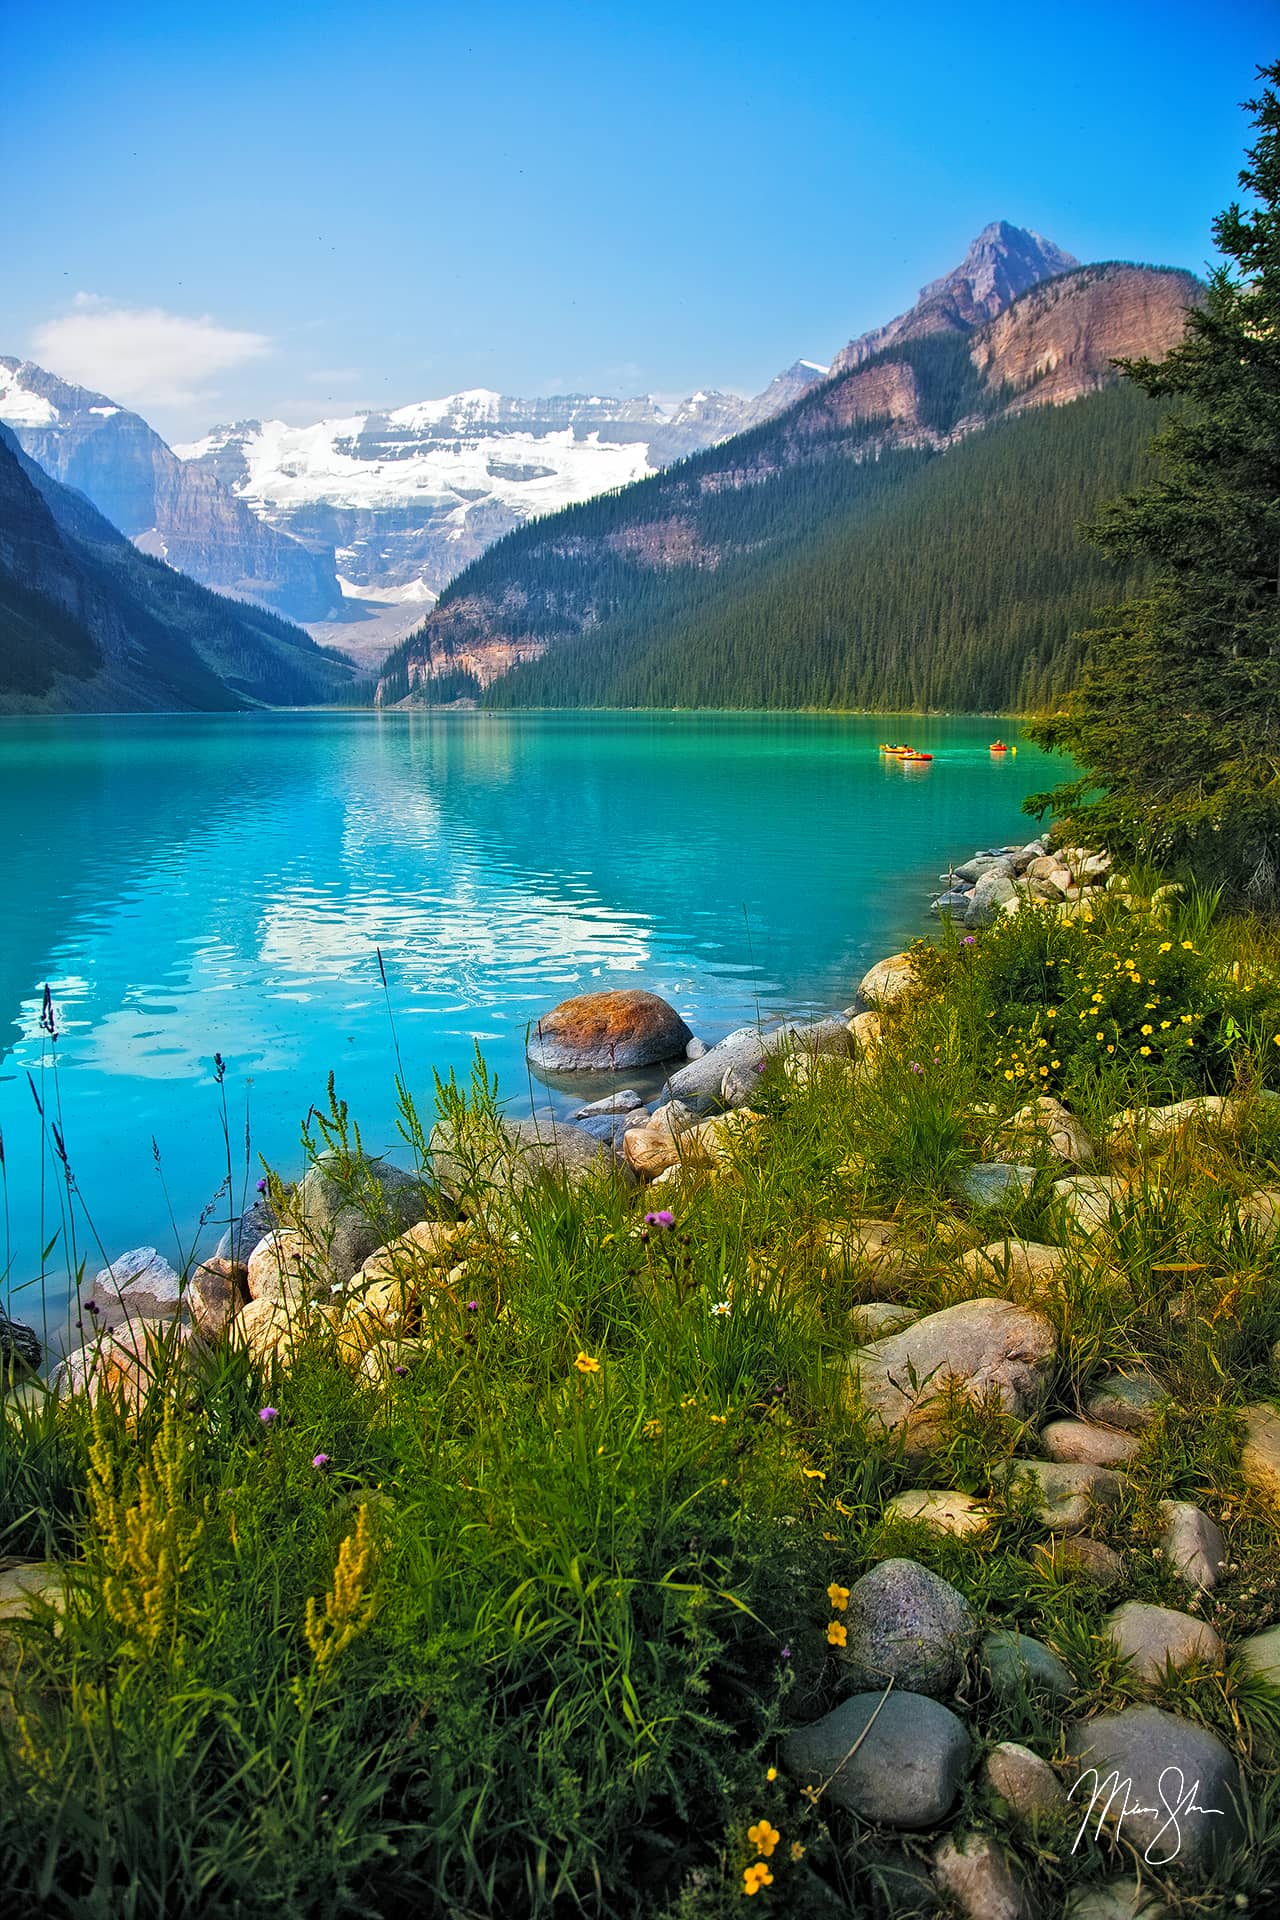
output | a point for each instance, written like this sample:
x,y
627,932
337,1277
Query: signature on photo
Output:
x,y
1112,1799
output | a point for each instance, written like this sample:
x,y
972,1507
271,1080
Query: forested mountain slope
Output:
x,y
90,624
832,556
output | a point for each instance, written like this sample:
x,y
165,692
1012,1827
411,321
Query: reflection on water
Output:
x,y
192,885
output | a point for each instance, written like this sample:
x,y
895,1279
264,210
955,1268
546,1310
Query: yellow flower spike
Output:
x,y
585,1364
837,1634
838,1596
763,1837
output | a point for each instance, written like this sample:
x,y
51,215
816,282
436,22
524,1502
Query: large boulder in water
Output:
x,y
600,1032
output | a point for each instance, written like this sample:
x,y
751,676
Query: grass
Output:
x,y
525,1641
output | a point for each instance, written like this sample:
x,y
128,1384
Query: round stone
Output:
x,y
601,1032
904,1623
898,1760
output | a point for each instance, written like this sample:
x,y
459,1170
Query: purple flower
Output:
x,y
785,1652
268,1414
663,1219
262,1186
320,1460
401,1369
473,1306
970,940
913,1066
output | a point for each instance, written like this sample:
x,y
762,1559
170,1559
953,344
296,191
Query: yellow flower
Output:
x,y
771,1773
1189,947
718,1419
763,1837
813,1473
838,1596
652,1429
1148,1028
585,1364
1099,1036
1144,1049
1166,946
1051,1013
797,1851
753,1878
837,1636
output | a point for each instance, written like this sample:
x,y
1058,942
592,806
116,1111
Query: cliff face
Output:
x,y
1059,341
88,623
561,578
1003,262
178,513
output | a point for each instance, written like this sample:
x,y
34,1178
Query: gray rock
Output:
x,y
1157,1638
1047,1122
875,1318
973,1872
900,1887
971,871
626,1100
1260,1455
1065,1494
608,1127
910,1760
245,1231
990,894
1026,1784
953,904
1075,1556
741,1084
993,1183
696,1048
347,1214
20,1350
1130,1401
1089,1201
515,1155
1261,1654
1192,1544
985,1350
608,1032
1170,1784
140,1285
697,1084
829,1035
906,1625
1017,1665
1120,1898
1082,1443
1015,1262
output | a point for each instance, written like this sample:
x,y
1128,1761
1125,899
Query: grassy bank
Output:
x,y
517,1621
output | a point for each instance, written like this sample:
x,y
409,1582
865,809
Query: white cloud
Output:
x,y
142,354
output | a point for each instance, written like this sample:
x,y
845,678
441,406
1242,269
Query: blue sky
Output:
x,y
223,210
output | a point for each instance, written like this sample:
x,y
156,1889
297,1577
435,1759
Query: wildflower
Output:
x,y
473,1306
784,1653
1148,1028
400,1370
1099,1036
763,1837
268,1414
663,1219
797,1852
1188,945
262,1186
753,1878
914,1066
970,940
320,1460
721,1310
838,1596
585,1364
1166,946
771,1773
837,1634
719,1419
1144,1049
813,1473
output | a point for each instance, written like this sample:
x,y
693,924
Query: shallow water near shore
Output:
x,y
222,884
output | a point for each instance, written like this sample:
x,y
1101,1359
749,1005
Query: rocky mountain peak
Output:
x,y
1000,264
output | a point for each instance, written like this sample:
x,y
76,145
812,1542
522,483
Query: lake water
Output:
x,y
192,885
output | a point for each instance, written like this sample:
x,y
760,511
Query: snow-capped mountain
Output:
x,y
406,498
168,508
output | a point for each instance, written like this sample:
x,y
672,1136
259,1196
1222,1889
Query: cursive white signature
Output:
x,y
1176,1799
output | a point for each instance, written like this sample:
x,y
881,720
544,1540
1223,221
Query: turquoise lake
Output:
x,y
192,885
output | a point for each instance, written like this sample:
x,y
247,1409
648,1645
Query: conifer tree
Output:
x,y
1176,720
